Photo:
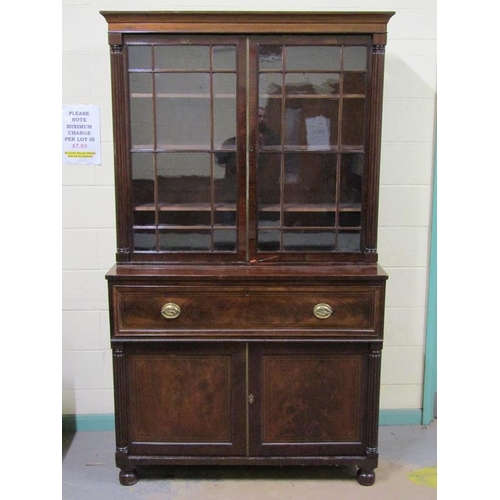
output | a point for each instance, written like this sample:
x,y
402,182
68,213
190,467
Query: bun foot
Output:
x,y
128,476
366,477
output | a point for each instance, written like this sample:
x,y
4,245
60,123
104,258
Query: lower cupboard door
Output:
x,y
187,399
307,399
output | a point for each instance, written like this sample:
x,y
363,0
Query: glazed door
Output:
x,y
308,146
187,399
186,151
307,399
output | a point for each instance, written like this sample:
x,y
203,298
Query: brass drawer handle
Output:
x,y
322,311
170,310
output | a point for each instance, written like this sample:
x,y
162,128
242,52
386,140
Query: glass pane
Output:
x,y
312,83
141,109
348,241
143,181
268,241
184,84
353,122
186,241
143,195
145,240
225,177
225,240
351,177
312,241
141,84
269,120
139,57
308,219
350,219
355,58
225,217
312,123
224,57
316,57
268,180
310,180
270,57
270,85
184,178
182,57
269,216
183,110
354,83
224,108
184,218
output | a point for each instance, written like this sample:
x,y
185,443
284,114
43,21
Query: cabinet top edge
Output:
x,y
228,272
247,22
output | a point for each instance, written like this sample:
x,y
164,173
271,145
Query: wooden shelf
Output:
x,y
313,96
182,96
186,207
312,207
178,148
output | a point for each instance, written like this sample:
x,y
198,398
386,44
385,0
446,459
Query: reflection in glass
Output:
x,y
312,124
182,57
224,57
139,57
270,57
312,83
355,58
184,178
270,84
141,109
312,58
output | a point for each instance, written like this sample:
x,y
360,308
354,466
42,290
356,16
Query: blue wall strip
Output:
x,y
81,423
430,367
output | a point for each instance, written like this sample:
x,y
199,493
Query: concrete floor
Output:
x,y
407,465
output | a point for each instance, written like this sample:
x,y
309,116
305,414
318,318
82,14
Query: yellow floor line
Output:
x,y
426,476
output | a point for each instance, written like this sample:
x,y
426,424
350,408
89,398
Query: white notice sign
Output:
x,y
81,134
318,132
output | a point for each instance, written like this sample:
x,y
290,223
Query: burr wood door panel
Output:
x,y
307,400
187,399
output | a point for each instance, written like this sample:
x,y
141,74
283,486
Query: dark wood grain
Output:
x,y
246,374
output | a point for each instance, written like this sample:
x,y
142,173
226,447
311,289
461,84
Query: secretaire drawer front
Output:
x,y
167,310
158,310
351,310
